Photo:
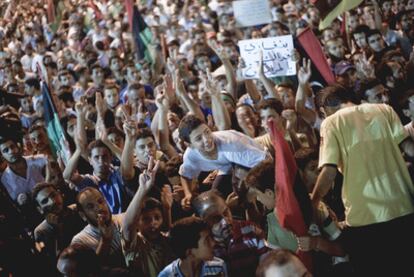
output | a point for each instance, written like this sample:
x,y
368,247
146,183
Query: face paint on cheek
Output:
x,y
222,232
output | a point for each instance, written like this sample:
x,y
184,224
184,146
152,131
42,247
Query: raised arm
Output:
x,y
185,98
268,84
228,67
80,108
70,174
164,134
220,113
303,92
131,217
127,158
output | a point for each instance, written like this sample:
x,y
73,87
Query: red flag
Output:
x,y
288,211
51,11
313,48
129,7
97,12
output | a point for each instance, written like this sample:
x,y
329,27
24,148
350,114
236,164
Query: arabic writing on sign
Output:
x,y
277,56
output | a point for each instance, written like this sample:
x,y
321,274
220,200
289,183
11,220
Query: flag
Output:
x,y
96,11
140,32
58,143
313,48
288,209
54,13
331,9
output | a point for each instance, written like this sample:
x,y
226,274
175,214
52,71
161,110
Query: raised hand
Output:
x,y
81,107
167,196
291,118
305,73
104,228
366,66
218,49
147,178
101,106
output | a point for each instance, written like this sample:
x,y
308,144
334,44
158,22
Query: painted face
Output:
x,y
115,65
93,205
247,120
49,201
205,248
201,138
376,43
39,140
144,149
336,49
287,96
135,95
360,40
203,63
100,159
410,111
65,80
150,223
98,75
377,94
111,97
132,75
269,114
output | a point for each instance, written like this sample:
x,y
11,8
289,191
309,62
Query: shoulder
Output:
x,y
170,270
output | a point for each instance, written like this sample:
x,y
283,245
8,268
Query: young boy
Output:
x,y
210,151
240,243
192,241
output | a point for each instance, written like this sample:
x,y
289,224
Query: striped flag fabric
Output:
x,y
288,209
58,143
331,9
140,32
54,13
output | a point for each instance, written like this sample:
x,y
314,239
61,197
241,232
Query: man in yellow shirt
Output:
x,y
364,143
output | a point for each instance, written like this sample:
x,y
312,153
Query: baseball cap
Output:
x,y
342,67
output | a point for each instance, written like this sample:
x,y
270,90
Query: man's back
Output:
x,y
363,141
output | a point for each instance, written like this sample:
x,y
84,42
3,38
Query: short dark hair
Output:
x,y
144,133
41,186
135,86
172,166
365,85
271,103
33,82
78,204
36,128
187,125
262,176
151,203
360,29
86,260
335,95
185,235
383,71
97,144
372,32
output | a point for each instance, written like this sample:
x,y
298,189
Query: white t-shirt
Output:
x,y
233,148
16,184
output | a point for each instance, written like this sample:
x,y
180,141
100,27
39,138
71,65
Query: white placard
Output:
x,y
277,56
251,12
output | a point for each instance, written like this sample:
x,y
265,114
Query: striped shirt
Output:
x,y
215,267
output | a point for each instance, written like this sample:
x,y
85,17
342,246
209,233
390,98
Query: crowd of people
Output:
x,y
171,169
